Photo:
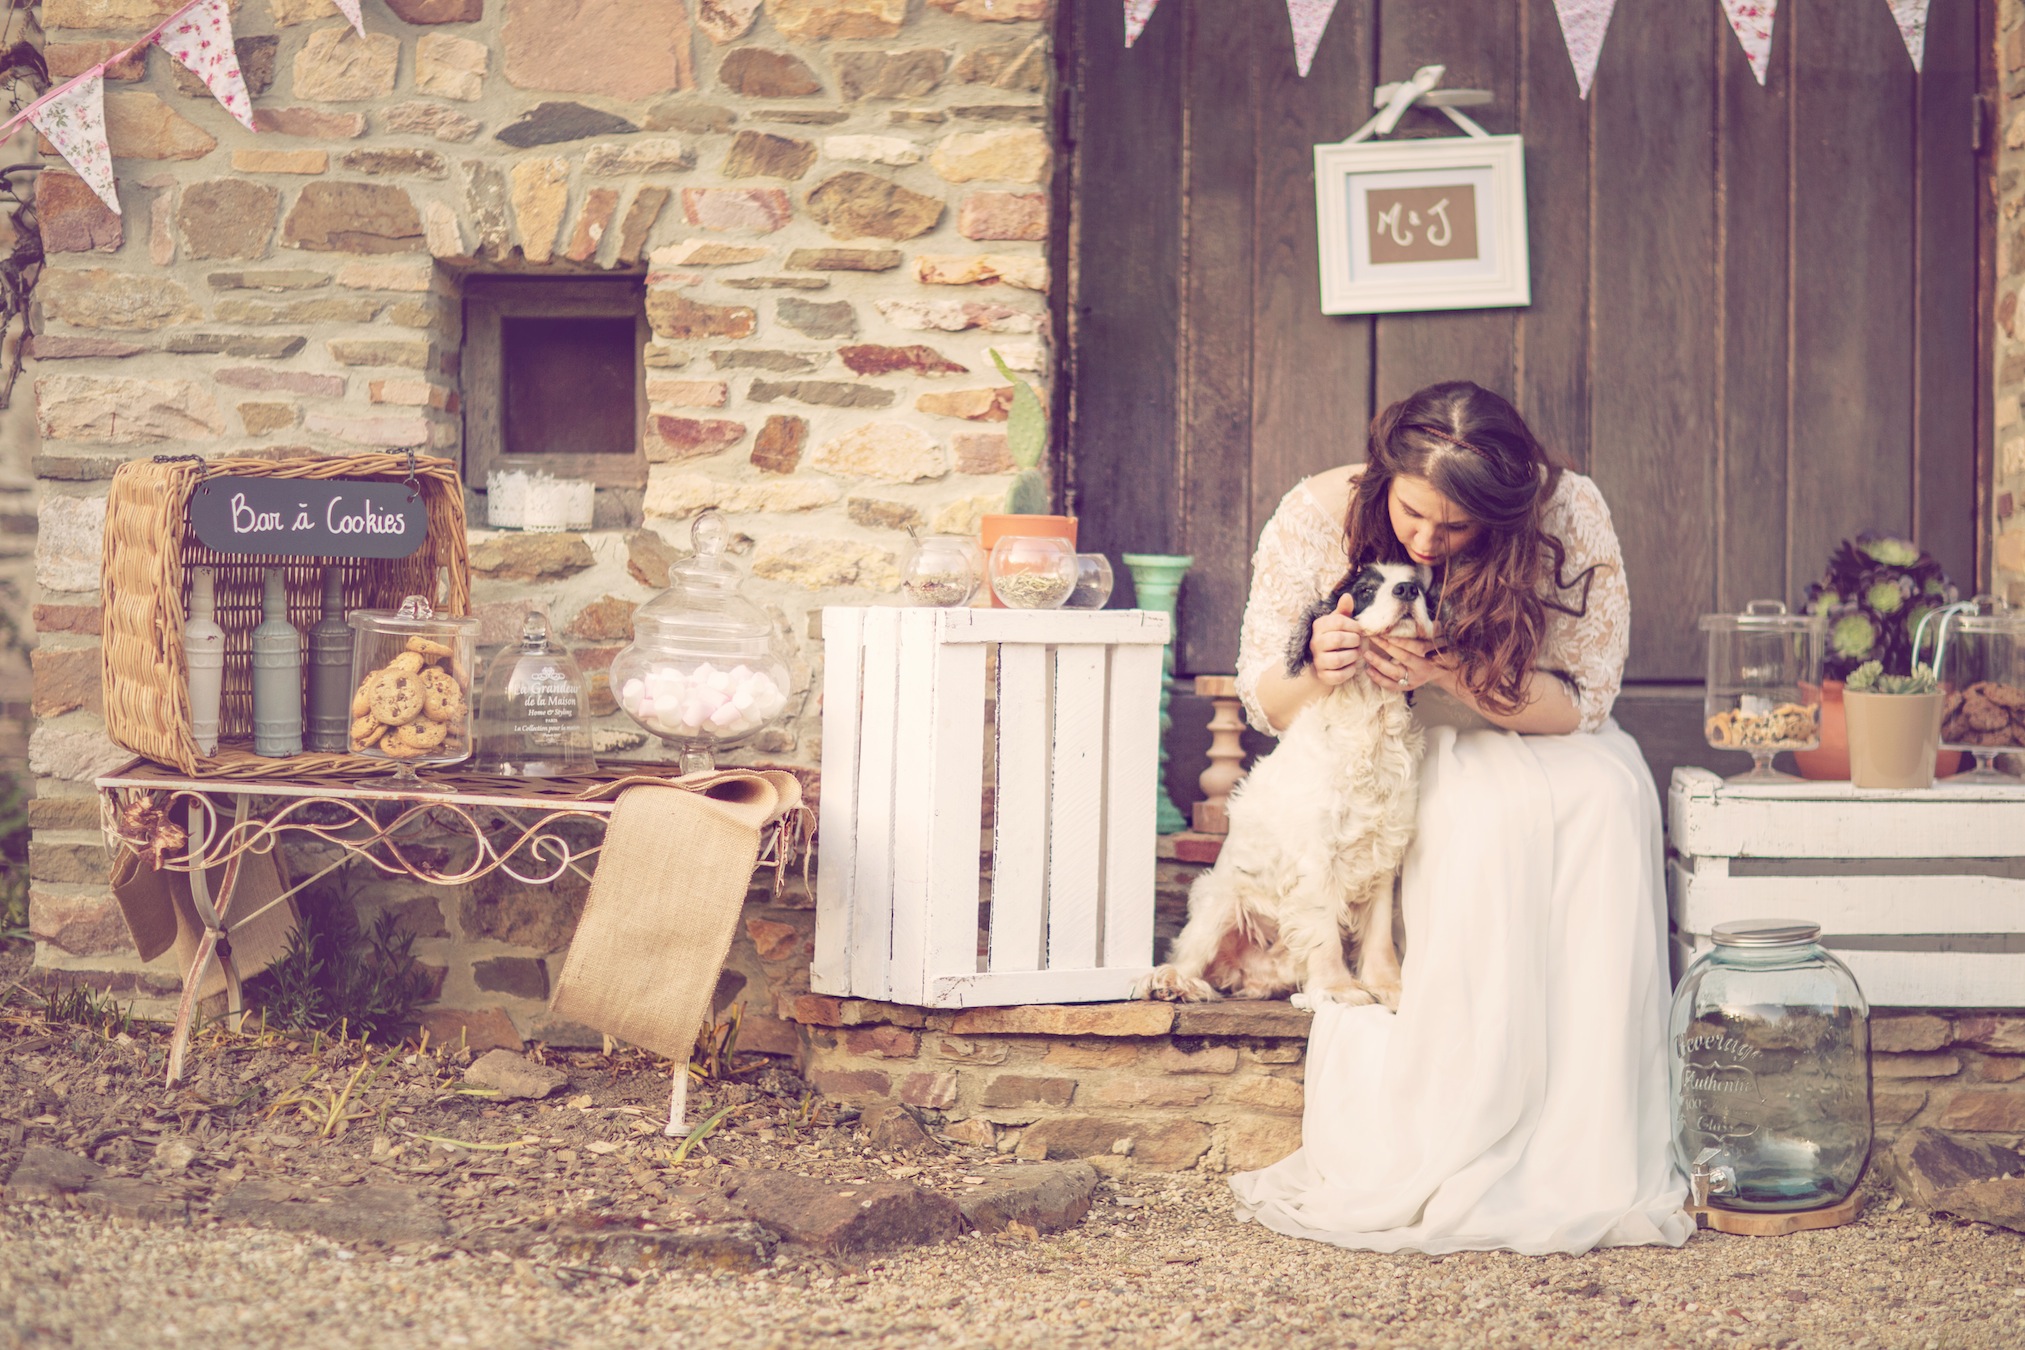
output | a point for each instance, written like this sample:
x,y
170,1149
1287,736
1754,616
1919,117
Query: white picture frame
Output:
x,y
1392,239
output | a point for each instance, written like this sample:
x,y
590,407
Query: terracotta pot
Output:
x,y
991,529
1830,763
1893,738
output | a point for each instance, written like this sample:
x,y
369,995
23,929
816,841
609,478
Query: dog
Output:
x,y
1317,833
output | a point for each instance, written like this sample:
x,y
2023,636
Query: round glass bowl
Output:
x,y
703,671
1093,582
1033,571
411,686
1764,684
1770,1070
534,710
1983,672
942,571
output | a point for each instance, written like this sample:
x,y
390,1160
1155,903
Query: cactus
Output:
x,y
1026,435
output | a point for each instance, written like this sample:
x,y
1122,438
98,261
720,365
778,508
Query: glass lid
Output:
x,y
702,610
1764,933
1763,616
416,615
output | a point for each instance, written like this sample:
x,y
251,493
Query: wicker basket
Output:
x,y
149,551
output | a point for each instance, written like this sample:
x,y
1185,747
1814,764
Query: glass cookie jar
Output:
x,y
703,672
534,713
1982,658
1770,1070
1764,684
411,686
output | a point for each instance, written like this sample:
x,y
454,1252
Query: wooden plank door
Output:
x,y
1755,308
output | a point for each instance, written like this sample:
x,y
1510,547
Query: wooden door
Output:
x,y
1756,311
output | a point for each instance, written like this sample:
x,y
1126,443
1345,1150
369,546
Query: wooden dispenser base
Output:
x,y
1750,1223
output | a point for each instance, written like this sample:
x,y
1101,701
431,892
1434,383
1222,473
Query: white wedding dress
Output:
x,y
1518,1099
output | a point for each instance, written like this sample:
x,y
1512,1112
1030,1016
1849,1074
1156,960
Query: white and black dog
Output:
x,y
1317,832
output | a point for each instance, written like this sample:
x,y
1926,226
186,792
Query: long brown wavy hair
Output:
x,y
1474,449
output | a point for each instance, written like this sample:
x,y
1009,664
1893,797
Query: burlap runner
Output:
x,y
160,914
672,876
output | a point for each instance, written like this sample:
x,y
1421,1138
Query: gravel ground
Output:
x,y
1160,1259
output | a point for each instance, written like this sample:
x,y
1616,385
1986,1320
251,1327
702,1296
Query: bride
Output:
x,y
1518,1098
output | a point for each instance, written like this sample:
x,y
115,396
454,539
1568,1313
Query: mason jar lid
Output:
x,y
1764,933
1763,616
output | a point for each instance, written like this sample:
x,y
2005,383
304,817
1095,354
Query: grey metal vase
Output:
x,y
277,675
330,671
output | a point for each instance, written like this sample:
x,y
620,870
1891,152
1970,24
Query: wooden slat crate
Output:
x,y
1922,893
1073,748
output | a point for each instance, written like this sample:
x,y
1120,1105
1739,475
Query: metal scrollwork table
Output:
x,y
458,828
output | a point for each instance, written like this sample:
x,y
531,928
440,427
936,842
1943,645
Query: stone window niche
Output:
x,y
554,382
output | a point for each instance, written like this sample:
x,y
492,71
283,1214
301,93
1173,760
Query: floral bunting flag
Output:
x,y
1309,17
1137,12
74,121
1582,26
350,9
1911,17
202,40
1751,21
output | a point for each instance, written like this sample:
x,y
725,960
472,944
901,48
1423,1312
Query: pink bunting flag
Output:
x,y
1911,18
74,121
1582,26
1137,12
1751,21
1309,18
201,38
350,9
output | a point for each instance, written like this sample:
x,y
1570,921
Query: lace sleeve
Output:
x,y
1300,556
1589,648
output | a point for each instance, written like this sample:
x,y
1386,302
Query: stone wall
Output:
x,y
2007,494
838,205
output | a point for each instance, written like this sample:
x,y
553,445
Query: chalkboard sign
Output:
x,y
307,518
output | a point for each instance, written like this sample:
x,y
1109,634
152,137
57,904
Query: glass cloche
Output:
x,y
1764,684
1982,659
703,672
411,683
534,710
1770,1064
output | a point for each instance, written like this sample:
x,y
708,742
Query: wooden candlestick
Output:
x,y
1226,754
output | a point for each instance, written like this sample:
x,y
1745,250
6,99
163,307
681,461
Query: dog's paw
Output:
x,y
1386,992
1344,990
1168,983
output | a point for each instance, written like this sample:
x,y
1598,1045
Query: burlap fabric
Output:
x,y
161,914
671,879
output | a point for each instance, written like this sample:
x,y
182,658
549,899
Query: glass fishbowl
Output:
x,y
942,570
1763,693
1770,1070
1094,582
1031,571
703,672
1982,657
534,712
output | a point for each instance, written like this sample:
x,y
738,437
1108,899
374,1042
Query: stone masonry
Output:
x,y
839,207
2007,491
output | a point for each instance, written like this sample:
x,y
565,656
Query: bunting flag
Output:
x,y
350,9
1309,18
1751,21
1911,17
1137,12
73,119
202,40
1582,26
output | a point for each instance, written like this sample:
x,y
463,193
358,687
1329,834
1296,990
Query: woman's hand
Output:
x,y
1407,664
1336,646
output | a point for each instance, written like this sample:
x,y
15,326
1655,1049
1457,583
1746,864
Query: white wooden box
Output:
x,y
1075,750
1922,893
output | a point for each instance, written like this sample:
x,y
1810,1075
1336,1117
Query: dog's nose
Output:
x,y
1406,590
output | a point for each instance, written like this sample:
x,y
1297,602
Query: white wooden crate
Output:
x,y
904,750
1922,893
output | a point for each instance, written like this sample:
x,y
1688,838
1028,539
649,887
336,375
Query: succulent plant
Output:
x,y
1874,594
1869,678
1026,436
